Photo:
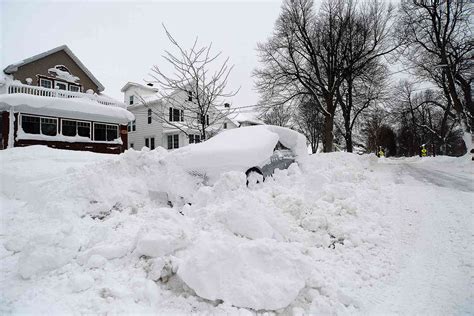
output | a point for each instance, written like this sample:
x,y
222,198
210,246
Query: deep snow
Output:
x,y
338,234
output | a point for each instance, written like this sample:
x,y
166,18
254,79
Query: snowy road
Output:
x,y
433,229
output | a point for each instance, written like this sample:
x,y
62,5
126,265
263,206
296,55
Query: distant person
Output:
x,y
423,151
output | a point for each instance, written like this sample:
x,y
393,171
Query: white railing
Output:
x,y
12,88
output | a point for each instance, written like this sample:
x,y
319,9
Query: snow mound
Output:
x,y
262,274
238,149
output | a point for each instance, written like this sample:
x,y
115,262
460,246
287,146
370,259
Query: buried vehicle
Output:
x,y
255,150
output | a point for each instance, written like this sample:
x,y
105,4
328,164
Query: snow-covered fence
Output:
x,y
15,87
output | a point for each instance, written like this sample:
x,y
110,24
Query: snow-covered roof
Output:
x,y
14,67
134,84
76,108
240,117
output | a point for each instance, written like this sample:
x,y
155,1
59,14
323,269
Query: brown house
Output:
x,y
53,99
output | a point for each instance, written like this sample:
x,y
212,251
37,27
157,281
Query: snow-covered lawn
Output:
x,y
338,234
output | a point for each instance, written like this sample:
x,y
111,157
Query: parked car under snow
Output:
x,y
255,150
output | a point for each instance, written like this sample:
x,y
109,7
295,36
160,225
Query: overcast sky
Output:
x,y
121,41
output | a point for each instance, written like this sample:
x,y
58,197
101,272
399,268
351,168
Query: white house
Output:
x,y
149,131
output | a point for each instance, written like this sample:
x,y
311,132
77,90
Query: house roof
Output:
x,y
14,67
134,84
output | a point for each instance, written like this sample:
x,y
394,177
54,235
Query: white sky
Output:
x,y
121,41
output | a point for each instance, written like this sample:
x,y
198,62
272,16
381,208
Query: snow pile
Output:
x,y
84,232
261,274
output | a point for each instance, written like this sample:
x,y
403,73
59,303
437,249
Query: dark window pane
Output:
x,y
191,139
69,128
112,132
147,142
176,141
152,140
134,125
84,129
176,115
30,124
170,118
149,116
99,132
74,88
197,138
182,116
49,126
131,100
170,141
46,83
61,85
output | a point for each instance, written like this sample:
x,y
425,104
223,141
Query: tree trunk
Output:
x,y
328,135
348,138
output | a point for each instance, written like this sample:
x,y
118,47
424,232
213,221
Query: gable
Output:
x,y
45,67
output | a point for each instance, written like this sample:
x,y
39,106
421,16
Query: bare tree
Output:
x,y
427,114
279,115
192,98
440,47
310,121
308,54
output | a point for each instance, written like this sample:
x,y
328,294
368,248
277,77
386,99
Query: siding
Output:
x,y
144,130
41,66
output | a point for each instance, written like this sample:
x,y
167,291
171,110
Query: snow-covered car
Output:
x,y
255,150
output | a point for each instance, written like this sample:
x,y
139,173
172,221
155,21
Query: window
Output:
x,y
60,85
176,115
69,128
39,125
46,83
99,131
73,128
173,141
105,132
130,100
225,125
74,88
49,126
132,126
149,116
30,124
150,142
194,139
190,95
131,145
84,129
112,132
204,119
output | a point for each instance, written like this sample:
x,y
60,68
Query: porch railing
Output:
x,y
12,88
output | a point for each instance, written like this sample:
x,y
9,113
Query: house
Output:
x,y
148,130
52,99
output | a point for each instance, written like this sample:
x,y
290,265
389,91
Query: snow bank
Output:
x,y
90,233
76,108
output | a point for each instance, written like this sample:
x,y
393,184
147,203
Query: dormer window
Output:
x,y
74,88
60,85
46,83
131,100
